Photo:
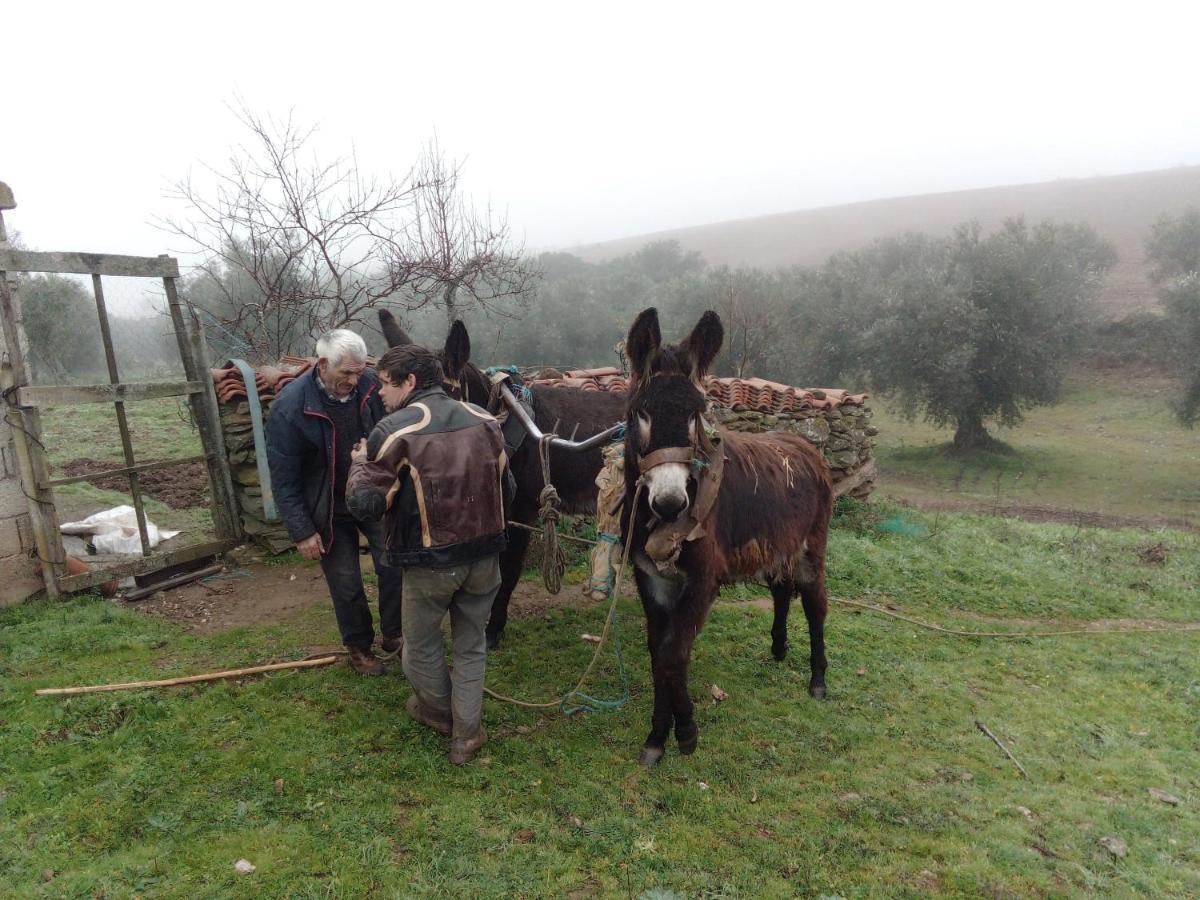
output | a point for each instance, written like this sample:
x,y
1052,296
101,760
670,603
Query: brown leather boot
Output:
x,y
427,715
364,662
392,645
465,749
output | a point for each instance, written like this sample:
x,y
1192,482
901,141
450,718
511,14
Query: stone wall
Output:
x,y
239,445
844,435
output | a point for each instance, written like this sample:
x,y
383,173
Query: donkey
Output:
x,y
567,410
712,507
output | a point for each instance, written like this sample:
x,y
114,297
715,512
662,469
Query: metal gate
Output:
x,y
26,401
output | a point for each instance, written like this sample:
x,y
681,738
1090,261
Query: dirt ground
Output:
x,y
180,487
250,592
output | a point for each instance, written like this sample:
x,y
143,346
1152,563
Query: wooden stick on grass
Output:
x,y
191,679
988,732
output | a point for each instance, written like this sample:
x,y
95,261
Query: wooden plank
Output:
x,y
143,564
207,415
110,356
89,264
73,394
125,470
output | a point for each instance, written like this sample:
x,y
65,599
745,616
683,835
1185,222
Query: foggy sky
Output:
x,y
590,121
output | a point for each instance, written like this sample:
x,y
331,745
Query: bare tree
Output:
x,y
459,256
293,246
752,316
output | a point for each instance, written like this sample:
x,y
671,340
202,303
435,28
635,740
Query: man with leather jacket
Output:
x,y
435,470
312,428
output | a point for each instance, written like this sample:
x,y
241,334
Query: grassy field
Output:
x,y
1111,448
886,789
160,429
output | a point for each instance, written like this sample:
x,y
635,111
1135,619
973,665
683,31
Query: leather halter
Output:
x,y
665,455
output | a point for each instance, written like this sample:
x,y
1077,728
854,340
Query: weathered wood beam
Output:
x,y
143,564
72,394
89,264
125,470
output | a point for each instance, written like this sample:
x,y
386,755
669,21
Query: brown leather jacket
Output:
x,y
437,468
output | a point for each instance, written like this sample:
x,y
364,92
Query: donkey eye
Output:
x,y
643,428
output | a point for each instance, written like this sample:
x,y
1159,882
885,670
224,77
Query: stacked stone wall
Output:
x,y
844,435
247,487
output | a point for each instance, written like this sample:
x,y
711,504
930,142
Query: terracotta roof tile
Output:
x,y
755,394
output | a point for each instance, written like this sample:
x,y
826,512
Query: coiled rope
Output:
x,y
554,560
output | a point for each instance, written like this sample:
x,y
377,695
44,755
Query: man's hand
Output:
x,y
359,451
312,547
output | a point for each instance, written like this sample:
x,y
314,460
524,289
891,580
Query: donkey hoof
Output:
x,y
779,652
493,639
688,739
651,755
816,691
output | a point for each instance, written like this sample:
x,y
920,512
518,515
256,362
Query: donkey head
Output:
x,y
666,405
463,379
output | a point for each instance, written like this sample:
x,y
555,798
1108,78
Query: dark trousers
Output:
x,y
343,574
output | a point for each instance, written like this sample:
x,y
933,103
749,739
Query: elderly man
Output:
x,y
313,426
437,469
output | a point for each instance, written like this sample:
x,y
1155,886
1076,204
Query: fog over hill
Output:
x,y
1120,207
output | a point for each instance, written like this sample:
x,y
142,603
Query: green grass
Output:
x,y
160,429
886,789
1112,447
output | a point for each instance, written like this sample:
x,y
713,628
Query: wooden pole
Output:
x,y
189,679
27,441
207,414
114,377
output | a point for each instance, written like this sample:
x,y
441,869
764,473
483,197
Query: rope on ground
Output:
x,y
955,632
1131,629
554,560
576,695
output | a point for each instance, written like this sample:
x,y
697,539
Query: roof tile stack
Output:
x,y
239,442
732,393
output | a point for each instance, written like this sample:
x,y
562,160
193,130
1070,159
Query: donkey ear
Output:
x,y
457,352
392,332
644,338
704,343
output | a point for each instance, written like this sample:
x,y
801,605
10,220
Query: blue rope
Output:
x,y
586,702
507,370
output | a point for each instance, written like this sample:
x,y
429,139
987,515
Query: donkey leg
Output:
x,y
687,732
812,595
660,720
511,562
687,624
781,592
658,626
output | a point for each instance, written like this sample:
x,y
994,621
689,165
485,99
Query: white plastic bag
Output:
x,y
116,531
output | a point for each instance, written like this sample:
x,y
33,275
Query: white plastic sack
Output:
x,y
116,531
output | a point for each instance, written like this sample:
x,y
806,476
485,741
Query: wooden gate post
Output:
x,y
206,412
27,426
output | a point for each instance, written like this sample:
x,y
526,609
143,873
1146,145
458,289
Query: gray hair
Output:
x,y
338,344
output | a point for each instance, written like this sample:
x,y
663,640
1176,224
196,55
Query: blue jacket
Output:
x,y
300,451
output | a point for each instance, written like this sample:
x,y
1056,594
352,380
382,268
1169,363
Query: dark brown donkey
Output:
x,y
567,410
714,507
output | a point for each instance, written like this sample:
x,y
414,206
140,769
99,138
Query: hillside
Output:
x,y
1119,207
